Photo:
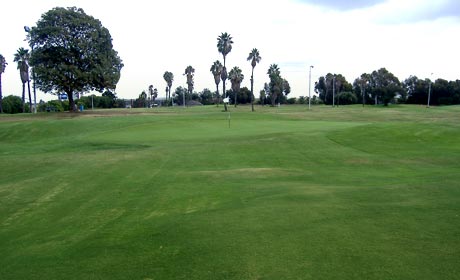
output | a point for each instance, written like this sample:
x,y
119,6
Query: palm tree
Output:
x,y
151,94
216,70
22,57
255,58
236,77
189,72
2,69
224,46
276,82
169,78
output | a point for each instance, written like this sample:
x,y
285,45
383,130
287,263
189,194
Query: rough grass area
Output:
x,y
284,193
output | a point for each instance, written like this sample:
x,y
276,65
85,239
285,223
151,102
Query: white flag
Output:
x,y
226,100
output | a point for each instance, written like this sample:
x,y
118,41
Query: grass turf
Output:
x,y
284,193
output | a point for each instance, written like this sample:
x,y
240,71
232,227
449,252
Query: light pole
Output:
x,y
309,87
27,30
429,92
333,91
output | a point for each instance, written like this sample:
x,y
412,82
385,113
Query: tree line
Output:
x,y
72,53
382,87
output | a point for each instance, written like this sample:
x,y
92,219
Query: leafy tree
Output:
x,y
346,98
244,96
442,93
255,58
384,86
224,46
361,87
141,101
206,96
169,78
73,53
153,92
278,87
179,95
236,77
190,72
111,97
416,90
262,96
22,57
12,104
2,70
329,87
216,70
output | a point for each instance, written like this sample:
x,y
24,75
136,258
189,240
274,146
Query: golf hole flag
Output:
x,y
226,100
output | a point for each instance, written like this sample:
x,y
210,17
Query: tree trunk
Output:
x,y
30,97
23,97
252,90
72,107
217,95
223,87
1,95
236,97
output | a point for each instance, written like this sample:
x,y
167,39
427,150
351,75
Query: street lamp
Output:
x,y
27,30
309,87
333,91
429,92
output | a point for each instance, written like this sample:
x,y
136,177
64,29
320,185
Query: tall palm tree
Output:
x,y
216,70
22,57
255,58
169,78
224,46
236,77
189,72
2,69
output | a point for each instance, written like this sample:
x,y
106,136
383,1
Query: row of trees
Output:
x,y
276,89
72,53
382,87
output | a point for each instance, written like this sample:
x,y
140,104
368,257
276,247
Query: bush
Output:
x,y
291,100
347,98
54,106
12,104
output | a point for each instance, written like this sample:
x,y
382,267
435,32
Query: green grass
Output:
x,y
284,193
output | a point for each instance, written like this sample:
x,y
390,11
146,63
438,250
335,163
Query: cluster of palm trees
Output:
x,y
219,71
21,57
224,46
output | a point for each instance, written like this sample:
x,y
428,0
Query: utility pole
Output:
x,y
309,87
429,92
333,91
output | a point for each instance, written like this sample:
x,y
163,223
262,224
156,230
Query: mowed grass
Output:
x,y
283,193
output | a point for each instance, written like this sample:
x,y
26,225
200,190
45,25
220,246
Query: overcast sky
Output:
x,y
408,37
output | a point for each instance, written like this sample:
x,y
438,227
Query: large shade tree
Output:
x,y
169,78
236,77
361,87
255,58
384,86
73,53
216,70
224,46
2,70
22,57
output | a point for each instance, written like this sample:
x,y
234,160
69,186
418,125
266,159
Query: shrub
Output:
x,y
12,104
